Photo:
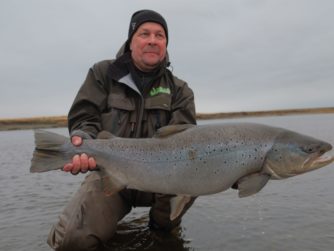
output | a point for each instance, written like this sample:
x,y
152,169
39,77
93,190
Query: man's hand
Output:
x,y
80,163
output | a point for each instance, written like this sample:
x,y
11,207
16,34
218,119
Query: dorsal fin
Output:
x,y
171,129
105,135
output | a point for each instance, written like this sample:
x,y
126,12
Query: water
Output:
x,y
292,214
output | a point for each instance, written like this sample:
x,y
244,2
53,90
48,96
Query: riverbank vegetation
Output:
x,y
61,121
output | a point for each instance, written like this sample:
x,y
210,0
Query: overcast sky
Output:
x,y
237,55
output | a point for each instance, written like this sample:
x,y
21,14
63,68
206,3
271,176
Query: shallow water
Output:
x,y
294,214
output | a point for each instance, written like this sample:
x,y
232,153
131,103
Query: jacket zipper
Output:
x,y
140,117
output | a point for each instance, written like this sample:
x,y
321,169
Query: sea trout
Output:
x,y
188,160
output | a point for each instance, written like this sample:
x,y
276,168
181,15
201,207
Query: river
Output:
x,y
291,214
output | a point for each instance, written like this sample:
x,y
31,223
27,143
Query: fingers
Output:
x,y
80,164
76,140
91,163
76,164
68,167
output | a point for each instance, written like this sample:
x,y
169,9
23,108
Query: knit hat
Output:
x,y
143,16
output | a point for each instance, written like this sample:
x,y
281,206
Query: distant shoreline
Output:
x,y
61,121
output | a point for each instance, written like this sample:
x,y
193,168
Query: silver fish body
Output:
x,y
191,160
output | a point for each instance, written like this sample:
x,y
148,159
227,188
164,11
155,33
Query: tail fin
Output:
x,y
50,151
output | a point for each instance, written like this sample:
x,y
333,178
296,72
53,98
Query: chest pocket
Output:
x,y
119,115
157,112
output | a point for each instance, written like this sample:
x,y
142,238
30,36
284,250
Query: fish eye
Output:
x,y
309,149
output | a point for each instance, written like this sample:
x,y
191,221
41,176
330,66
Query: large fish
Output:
x,y
188,160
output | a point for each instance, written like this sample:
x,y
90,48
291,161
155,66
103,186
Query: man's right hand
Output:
x,y
80,163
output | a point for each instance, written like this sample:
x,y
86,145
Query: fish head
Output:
x,y
293,154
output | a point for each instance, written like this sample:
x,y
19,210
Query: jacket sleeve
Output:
x,y
183,105
91,100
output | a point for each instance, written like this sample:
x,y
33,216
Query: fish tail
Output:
x,y
50,151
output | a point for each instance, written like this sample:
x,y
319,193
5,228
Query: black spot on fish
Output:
x,y
192,154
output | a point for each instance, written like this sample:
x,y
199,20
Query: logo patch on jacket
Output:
x,y
159,90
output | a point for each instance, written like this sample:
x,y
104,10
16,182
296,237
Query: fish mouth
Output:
x,y
318,161
312,163
322,160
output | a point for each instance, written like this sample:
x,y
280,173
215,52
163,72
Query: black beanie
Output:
x,y
143,16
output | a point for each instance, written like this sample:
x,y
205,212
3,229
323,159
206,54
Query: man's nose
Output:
x,y
152,39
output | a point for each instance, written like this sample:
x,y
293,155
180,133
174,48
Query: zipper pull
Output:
x,y
133,126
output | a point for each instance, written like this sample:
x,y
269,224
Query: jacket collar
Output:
x,y
120,69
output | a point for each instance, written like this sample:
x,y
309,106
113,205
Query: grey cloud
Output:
x,y
236,55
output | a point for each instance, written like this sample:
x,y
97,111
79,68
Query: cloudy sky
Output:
x,y
237,55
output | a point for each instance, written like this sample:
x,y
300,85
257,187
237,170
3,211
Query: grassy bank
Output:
x,y
61,121
33,123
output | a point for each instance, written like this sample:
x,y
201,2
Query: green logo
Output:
x,y
158,90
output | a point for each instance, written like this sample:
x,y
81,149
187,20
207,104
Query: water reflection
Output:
x,y
134,234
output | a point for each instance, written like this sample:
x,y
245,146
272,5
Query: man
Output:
x,y
131,96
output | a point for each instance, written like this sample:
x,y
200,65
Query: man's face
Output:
x,y
148,46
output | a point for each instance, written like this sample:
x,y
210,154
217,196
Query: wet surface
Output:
x,y
294,214
134,234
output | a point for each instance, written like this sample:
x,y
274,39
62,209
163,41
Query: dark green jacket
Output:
x,y
110,100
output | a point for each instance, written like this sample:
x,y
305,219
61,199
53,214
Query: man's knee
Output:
x,y
74,241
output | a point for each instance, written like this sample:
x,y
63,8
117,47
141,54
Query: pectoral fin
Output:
x,y
177,204
252,184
